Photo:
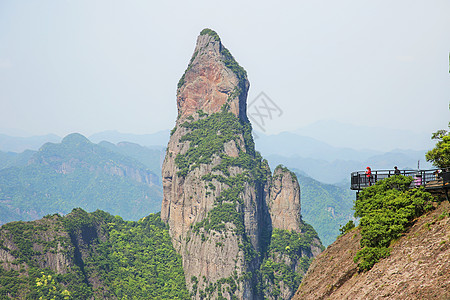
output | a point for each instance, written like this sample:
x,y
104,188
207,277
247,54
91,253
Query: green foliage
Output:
x,y
47,288
387,210
273,273
440,154
275,267
207,137
232,64
139,262
134,260
347,227
292,243
210,32
28,236
367,257
220,215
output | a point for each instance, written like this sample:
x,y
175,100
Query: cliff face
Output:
x,y
214,201
416,269
212,79
284,200
216,186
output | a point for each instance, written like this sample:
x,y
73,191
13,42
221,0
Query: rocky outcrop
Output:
x,y
212,79
211,201
293,243
216,186
35,236
417,267
284,201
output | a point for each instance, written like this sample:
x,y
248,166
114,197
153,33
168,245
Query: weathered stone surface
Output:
x,y
285,213
208,83
207,86
284,202
221,248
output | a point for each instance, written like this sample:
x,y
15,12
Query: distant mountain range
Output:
x,y
327,151
78,173
112,177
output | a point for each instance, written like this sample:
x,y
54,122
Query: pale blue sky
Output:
x,y
88,65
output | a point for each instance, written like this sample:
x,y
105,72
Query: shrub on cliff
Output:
x,y
386,210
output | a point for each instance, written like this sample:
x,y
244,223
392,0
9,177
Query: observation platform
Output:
x,y
434,180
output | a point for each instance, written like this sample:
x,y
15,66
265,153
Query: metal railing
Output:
x,y
431,179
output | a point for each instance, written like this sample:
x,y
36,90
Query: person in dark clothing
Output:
x,y
396,171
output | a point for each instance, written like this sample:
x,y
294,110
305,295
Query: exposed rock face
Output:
x,y
53,247
418,267
284,201
216,187
212,79
285,213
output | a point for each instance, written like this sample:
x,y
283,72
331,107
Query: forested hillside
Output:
x,y
326,207
84,255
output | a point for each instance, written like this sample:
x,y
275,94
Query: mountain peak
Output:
x,y
75,139
211,33
213,81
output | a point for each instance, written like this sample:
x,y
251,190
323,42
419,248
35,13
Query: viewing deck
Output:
x,y
434,179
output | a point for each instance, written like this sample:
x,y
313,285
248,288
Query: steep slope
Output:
x,y
216,186
77,173
416,269
82,256
293,243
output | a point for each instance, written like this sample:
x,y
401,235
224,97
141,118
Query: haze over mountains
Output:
x,y
328,151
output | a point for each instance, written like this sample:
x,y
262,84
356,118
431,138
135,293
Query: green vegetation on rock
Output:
x,y
211,33
287,260
386,210
110,258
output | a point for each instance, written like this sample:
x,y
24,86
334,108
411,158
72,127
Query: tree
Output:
x,y
440,154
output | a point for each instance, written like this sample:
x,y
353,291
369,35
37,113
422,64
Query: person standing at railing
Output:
x,y
396,171
369,175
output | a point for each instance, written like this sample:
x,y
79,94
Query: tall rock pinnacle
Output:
x,y
217,187
212,79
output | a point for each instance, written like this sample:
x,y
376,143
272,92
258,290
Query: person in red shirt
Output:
x,y
369,175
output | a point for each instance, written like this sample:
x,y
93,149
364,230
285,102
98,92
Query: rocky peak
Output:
x,y
284,201
217,187
213,80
